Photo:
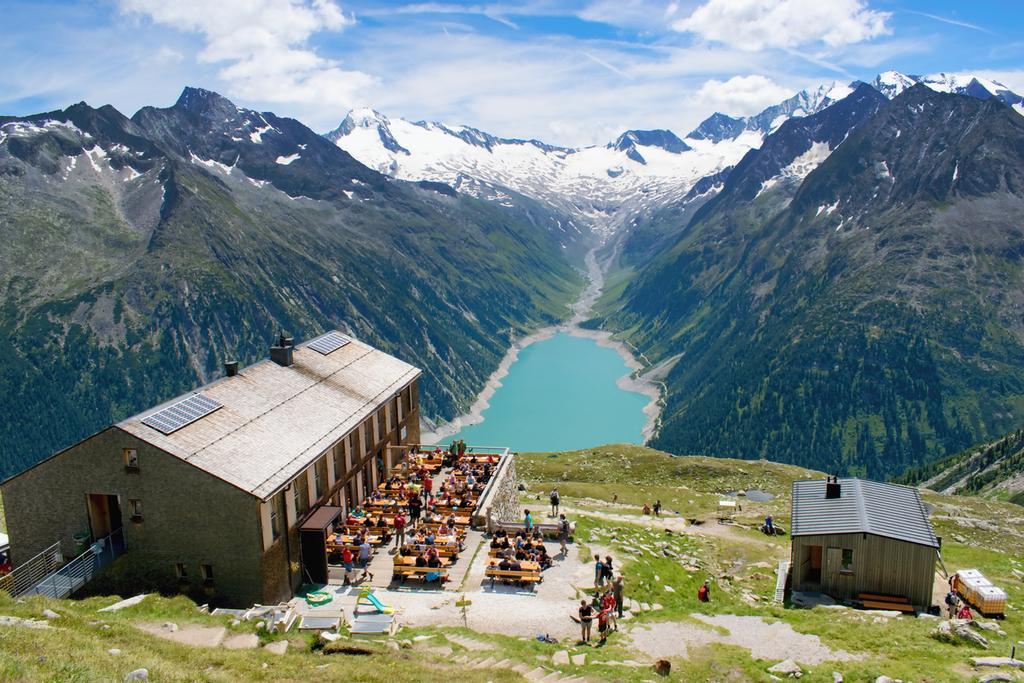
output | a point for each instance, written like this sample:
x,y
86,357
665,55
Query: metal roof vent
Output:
x,y
832,488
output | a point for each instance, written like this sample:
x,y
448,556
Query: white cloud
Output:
x,y
756,25
263,46
741,95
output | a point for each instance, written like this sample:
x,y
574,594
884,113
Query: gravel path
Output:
x,y
504,610
768,641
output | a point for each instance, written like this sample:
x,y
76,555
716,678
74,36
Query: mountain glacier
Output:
x,y
609,186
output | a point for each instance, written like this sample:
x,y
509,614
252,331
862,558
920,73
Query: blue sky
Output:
x,y
571,72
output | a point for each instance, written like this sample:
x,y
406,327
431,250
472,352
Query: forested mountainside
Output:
x,y
994,470
139,254
863,318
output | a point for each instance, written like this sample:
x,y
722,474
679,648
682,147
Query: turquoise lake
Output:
x,y
561,394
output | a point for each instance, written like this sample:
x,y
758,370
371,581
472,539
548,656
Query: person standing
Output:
x,y
527,521
554,502
586,617
769,525
657,508
563,535
415,507
607,569
346,562
704,592
598,572
399,530
617,591
364,559
608,607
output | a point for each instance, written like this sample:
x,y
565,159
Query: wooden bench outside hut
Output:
x,y
853,536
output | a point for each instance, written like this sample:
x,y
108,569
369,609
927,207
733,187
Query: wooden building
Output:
x,y
854,536
211,488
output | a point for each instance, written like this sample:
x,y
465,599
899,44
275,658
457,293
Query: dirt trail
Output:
x,y
676,524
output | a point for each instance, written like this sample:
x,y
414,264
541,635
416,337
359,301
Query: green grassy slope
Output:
x,y
740,561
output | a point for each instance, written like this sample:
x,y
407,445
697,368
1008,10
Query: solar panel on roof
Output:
x,y
184,412
332,341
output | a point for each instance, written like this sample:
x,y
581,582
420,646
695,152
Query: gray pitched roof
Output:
x,y
275,421
864,506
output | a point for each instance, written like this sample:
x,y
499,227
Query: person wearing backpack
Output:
x,y
563,535
952,601
554,502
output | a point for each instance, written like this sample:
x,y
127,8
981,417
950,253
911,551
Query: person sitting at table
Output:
x,y
429,538
368,521
421,560
434,561
451,520
444,529
520,554
543,559
504,565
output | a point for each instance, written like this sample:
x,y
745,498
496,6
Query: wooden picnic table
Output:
x,y
525,565
350,539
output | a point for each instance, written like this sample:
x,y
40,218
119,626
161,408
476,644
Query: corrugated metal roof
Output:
x,y
276,420
864,506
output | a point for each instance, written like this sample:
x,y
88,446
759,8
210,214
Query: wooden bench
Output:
x,y
891,602
897,606
506,575
405,571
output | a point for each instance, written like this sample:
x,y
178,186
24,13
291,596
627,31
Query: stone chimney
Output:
x,y
231,368
282,354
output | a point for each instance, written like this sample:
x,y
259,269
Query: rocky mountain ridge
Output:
x,y
141,253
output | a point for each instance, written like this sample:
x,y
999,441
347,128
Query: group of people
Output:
x,y
350,560
607,605
528,547
649,509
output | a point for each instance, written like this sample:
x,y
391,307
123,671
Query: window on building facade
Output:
x,y
353,450
135,506
394,413
277,516
206,571
131,459
407,397
339,460
181,570
301,494
846,563
320,476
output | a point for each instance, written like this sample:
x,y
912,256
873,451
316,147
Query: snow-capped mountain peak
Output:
x,y
892,83
631,140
